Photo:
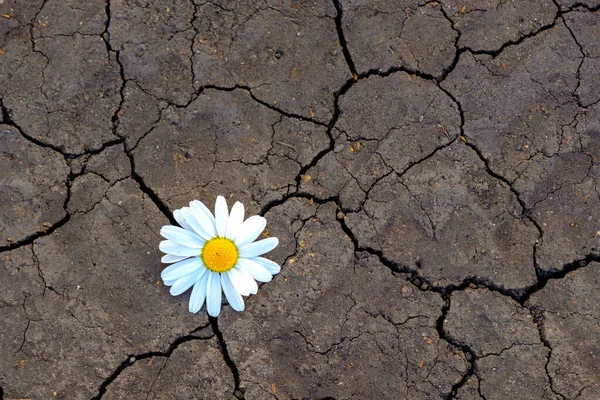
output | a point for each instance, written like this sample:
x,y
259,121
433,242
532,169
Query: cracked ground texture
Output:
x,y
430,168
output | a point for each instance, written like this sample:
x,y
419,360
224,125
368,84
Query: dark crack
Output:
x,y
24,337
511,43
278,202
7,120
279,110
132,359
519,295
31,238
4,114
412,274
559,13
545,276
330,126
238,391
447,70
580,47
158,202
526,212
342,38
495,53
69,183
579,5
538,318
467,350
246,88
193,41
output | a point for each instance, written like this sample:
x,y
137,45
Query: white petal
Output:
x,y
213,296
250,229
235,220
221,215
233,297
181,236
258,248
170,247
205,217
170,258
258,272
198,294
271,266
238,280
181,268
184,283
178,215
169,283
242,281
196,222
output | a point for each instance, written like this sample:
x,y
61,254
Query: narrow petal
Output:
x,y
181,268
258,248
213,296
221,215
178,215
184,283
170,258
204,217
181,236
244,280
170,247
271,266
258,272
235,220
239,281
198,294
195,221
233,297
250,229
169,283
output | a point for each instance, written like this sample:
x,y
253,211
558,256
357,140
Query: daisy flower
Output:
x,y
216,254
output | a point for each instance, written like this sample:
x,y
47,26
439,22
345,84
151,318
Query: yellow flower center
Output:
x,y
219,254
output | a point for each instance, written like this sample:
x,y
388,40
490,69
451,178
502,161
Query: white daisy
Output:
x,y
214,253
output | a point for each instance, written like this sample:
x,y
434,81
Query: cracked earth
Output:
x,y
430,169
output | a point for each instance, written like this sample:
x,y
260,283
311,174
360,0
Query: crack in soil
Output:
x,y
158,202
538,319
34,236
342,38
6,119
466,349
132,359
238,392
578,76
519,295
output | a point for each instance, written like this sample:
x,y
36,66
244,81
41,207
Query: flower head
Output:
x,y
216,253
